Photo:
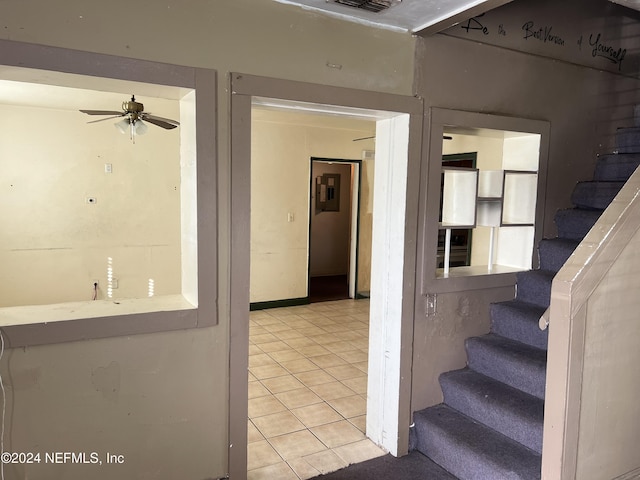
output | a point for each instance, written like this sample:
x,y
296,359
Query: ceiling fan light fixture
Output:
x,y
123,125
132,115
140,127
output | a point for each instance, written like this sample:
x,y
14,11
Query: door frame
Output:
x,y
354,221
392,398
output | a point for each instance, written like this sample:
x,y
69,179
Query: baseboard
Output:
x,y
287,302
635,473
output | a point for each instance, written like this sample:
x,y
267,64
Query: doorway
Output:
x,y
333,229
398,136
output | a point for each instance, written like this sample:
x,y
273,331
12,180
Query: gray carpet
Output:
x,y
414,466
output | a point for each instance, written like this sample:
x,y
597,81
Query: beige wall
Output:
x,y
489,149
53,244
282,146
182,428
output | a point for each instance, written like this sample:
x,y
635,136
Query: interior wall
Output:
x,y
367,173
579,102
489,149
331,231
281,149
264,38
54,244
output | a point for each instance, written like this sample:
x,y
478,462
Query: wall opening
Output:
x,y
388,400
92,214
84,202
491,207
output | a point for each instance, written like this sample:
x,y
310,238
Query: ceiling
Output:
x,y
633,4
412,16
424,17
64,91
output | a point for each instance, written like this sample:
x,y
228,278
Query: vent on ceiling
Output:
x,y
370,5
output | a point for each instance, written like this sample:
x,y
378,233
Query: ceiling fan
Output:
x,y
133,118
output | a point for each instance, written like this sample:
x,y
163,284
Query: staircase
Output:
x,y
490,424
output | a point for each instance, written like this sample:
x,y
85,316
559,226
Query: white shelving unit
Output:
x,y
459,193
499,199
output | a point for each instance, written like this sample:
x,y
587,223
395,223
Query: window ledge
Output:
x,y
57,312
472,278
64,322
478,270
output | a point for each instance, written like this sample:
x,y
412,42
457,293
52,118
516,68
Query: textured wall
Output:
x,y
169,414
484,72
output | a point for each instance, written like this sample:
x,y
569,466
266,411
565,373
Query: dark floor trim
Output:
x,y
287,302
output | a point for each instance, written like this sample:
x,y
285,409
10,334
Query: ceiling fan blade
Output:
x,y
163,119
102,112
160,122
107,118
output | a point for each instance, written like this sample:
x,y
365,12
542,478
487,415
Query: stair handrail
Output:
x,y
543,323
592,258
571,289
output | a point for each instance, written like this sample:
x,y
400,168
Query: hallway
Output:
x,y
307,390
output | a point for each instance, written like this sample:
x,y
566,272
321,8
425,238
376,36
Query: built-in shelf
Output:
x,y
499,199
458,208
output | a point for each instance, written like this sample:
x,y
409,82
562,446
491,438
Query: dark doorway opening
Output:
x,y
332,236
327,288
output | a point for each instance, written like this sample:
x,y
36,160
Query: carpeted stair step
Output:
x,y
616,167
505,409
628,140
597,195
514,363
470,450
534,286
575,223
519,321
554,252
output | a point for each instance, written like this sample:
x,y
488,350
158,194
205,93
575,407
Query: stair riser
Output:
x,y
467,450
445,452
616,168
628,140
506,368
519,325
554,254
597,195
484,409
574,224
531,287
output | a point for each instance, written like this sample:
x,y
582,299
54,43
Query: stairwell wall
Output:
x,y
472,71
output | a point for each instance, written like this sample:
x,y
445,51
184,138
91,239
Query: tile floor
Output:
x,y
308,390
